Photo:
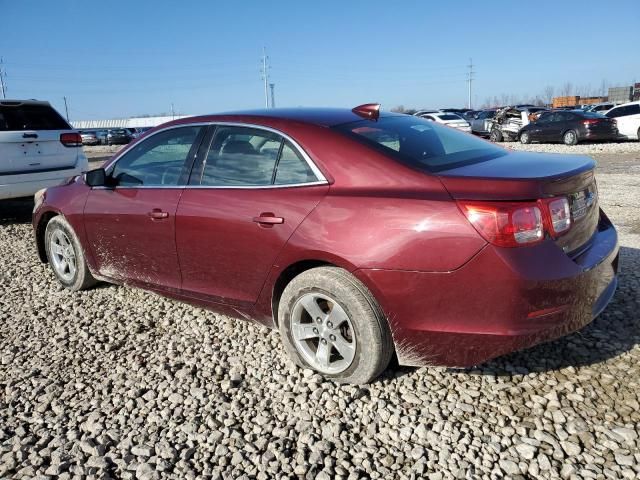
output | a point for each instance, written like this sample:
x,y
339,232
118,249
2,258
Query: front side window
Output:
x,y
156,161
252,157
421,144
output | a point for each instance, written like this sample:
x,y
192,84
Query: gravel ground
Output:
x,y
119,383
583,148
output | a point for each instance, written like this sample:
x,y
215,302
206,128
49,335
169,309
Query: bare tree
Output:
x,y
398,109
567,89
547,94
603,88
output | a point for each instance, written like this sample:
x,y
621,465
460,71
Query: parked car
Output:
x,y
569,127
507,122
38,148
89,137
118,136
627,117
481,124
102,136
449,119
420,113
599,107
357,233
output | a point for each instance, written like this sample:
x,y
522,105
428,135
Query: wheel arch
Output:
x,y
41,227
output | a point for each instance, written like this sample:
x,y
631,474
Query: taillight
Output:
x,y
506,224
559,215
515,224
591,121
71,139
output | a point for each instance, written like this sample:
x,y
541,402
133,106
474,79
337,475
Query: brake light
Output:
x,y
515,224
591,121
506,224
559,215
71,139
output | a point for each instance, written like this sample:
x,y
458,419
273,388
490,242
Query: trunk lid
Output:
x,y
532,176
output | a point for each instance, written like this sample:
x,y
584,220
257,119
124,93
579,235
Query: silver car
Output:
x,y
481,124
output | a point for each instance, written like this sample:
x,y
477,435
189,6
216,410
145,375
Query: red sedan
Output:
x,y
358,234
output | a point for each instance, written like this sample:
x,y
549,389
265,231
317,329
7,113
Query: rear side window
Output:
x,y
292,168
252,157
30,117
420,144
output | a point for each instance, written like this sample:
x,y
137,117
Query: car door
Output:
x,y
248,193
539,130
130,222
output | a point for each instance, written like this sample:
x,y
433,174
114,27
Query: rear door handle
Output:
x,y
268,219
157,214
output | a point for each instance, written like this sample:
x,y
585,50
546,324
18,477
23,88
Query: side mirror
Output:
x,y
96,178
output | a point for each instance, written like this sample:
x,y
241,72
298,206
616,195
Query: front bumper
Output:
x,y
502,300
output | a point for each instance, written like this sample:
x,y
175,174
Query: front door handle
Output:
x,y
268,219
157,214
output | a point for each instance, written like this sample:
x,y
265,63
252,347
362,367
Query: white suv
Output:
x,y
628,119
38,148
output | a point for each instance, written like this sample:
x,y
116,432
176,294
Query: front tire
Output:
x,y
331,323
66,256
570,137
496,136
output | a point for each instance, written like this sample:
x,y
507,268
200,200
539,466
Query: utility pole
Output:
x,y
3,75
273,95
265,76
470,79
173,113
66,108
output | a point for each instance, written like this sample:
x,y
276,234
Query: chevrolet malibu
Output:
x,y
358,234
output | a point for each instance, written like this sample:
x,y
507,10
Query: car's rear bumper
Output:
x,y
599,135
502,300
25,185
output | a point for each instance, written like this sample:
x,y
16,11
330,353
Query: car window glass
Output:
x,y
292,167
618,112
241,156
545,118
421,144
30,117
156,161
633,109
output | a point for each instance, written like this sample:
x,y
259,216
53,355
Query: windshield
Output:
x,y
420,143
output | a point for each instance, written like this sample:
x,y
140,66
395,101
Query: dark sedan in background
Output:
x,y
569,127
118,136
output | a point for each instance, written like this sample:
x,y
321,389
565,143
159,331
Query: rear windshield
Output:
x,y
30,117
450,116
421,144
592,115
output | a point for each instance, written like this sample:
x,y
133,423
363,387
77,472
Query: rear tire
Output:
x,y
496,136
330,322
638,132
525,139
66,256
570,137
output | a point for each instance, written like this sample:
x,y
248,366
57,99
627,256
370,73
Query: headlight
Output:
x,y
38,198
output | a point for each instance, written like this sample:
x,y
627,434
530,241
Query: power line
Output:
x,y
470,79
265,76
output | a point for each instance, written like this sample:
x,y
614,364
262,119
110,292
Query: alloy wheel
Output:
x,y
323,333
63,255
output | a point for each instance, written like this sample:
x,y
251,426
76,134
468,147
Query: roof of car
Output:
x,y
326,117
13,102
